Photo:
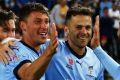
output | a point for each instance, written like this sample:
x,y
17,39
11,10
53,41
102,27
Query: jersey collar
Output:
x,y
29,47
74,53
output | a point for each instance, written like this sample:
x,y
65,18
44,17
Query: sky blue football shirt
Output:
x,y
67,65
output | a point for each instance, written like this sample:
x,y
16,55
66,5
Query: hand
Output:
x,y
4,50
52,48
95,41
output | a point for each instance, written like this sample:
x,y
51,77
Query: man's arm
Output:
x,y
5,49
110,65
33,71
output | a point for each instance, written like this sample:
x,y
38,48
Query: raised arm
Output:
x,y
110,65
35,70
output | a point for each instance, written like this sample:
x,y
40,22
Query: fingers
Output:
x,y
96,27
55,43
53,27
4,58
8,42
53,33
97,21
53,40
95,41
52,48
5,53
9,50
12,43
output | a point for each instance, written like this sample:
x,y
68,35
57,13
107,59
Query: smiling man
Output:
x,y
74,59
29,62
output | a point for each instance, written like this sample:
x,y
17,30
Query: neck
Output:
x,y
31,44
78,50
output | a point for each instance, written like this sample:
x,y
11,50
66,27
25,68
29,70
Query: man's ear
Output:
x,y
66,30
23,26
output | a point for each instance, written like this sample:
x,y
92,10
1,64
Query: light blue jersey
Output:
x,y
67,65
110,65
24,54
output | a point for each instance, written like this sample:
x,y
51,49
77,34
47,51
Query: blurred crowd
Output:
x,y
109,11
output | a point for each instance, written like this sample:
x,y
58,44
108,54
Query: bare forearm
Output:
x,y
37,68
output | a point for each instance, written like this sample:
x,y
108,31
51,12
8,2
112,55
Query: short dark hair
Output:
x,y
6,16
31,7
73,11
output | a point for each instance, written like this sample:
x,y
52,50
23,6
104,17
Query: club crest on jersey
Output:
x,y
70,63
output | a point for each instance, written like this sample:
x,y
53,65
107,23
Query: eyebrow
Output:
x,y
84,25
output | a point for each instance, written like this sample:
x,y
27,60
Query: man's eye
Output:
x,y
79,27
47,21
88,27
5,30
37,22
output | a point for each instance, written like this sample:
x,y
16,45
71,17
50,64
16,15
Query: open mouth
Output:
x,y
43,34
82,37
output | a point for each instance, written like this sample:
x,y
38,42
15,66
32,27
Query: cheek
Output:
x,y
90,33
4,35
73,35
32,29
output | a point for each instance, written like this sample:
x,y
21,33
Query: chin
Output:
x,y
83,45
41,41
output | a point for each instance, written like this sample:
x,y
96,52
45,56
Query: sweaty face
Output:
x,y
80,30
37,27
8,30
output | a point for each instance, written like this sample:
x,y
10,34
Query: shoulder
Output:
x,y
20,51
93,60
90,52
62,44
91,56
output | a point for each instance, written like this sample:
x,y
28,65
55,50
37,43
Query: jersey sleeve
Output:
x,y
110,65
2,71
16,62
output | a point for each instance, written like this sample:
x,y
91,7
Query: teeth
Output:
x,y
82,37
42,33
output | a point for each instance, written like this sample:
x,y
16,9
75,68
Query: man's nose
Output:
x,y
84,30
43,25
